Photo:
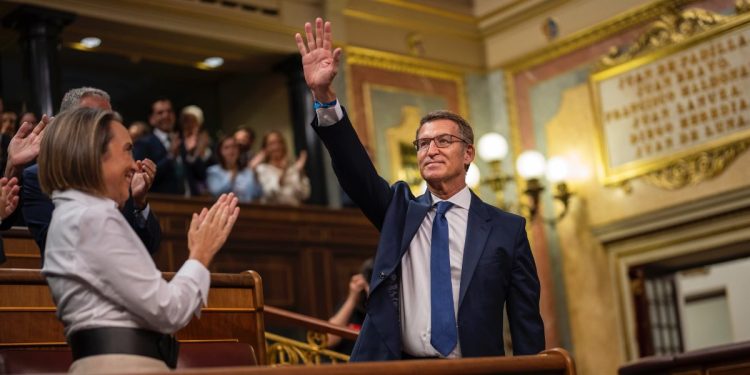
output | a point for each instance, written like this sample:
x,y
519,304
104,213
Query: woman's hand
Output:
x,y
257,160
210,229
299,165
8,196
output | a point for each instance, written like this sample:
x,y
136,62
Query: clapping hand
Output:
x,y
299,165
210,229
319,61
259,158
8,196
24,147
142,180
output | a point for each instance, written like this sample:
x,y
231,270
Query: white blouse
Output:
x,y
282,186
101,274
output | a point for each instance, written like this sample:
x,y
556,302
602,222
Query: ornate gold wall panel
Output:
x,y
369,71
673,101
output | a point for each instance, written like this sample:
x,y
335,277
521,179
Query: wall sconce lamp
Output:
x,y
532,167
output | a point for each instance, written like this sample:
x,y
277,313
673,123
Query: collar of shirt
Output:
x,y
461,199
163,137
60,197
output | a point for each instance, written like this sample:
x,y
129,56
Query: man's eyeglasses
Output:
x,y
441,141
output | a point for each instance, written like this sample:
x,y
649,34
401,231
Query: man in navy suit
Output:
x,y
37,207
178,172
447,263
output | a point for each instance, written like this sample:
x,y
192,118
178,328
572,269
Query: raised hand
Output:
x,y
8,196
24,147
319,61
259,158
357,284
142,181
299,165
174,145
210,229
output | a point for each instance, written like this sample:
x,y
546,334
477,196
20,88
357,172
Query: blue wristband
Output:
x,y
317,105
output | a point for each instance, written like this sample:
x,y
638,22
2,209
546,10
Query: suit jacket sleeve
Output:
x,y
152,148
37,207
148,230
354,169
526,326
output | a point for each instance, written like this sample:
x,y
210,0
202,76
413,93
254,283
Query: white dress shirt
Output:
x,y
415,301
101,274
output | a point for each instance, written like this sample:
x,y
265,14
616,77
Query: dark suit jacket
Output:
x,y
498,267
166,180
37,210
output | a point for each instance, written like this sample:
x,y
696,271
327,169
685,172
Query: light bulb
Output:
x,y
557,169
531,164
492,147
472,176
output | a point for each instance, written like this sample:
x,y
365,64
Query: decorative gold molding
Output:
x,y
402,63
696,168
430,10
593,34
409,65
672,32
522,16
411,25
284,351
669,29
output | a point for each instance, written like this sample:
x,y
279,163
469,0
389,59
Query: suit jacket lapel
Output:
x,y
415,213
477,231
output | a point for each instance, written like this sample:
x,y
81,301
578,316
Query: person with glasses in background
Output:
x,y
447,263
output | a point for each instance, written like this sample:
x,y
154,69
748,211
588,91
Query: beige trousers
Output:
x,y
117,363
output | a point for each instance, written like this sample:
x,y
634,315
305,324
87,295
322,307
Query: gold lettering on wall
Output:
x,y
670,104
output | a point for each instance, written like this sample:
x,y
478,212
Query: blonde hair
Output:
x,y
72,149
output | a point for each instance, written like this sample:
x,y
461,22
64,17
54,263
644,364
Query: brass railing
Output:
x,y
282,350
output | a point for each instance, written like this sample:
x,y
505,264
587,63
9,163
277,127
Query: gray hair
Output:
x,y
72,98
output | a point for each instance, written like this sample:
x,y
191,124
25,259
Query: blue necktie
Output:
x,y
443,331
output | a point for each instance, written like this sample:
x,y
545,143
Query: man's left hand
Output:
x,y
142,180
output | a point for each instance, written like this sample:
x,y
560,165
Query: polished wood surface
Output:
x,y
234,312
729,359
283,318
554,361
306,255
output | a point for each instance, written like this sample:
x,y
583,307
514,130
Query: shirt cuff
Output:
x,y
145,211
195,270
331,115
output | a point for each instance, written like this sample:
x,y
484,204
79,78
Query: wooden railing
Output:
x,y
285,351
553,361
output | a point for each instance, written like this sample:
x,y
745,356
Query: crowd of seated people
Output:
x,y
188,164
187,161
172,157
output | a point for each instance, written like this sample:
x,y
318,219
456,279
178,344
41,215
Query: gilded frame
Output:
x,y
659,170
359,88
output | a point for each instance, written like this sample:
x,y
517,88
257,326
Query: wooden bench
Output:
x,y
232,322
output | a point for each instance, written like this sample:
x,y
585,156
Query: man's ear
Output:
x,y
469,154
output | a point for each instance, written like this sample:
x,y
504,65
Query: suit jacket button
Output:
x,y
382,275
